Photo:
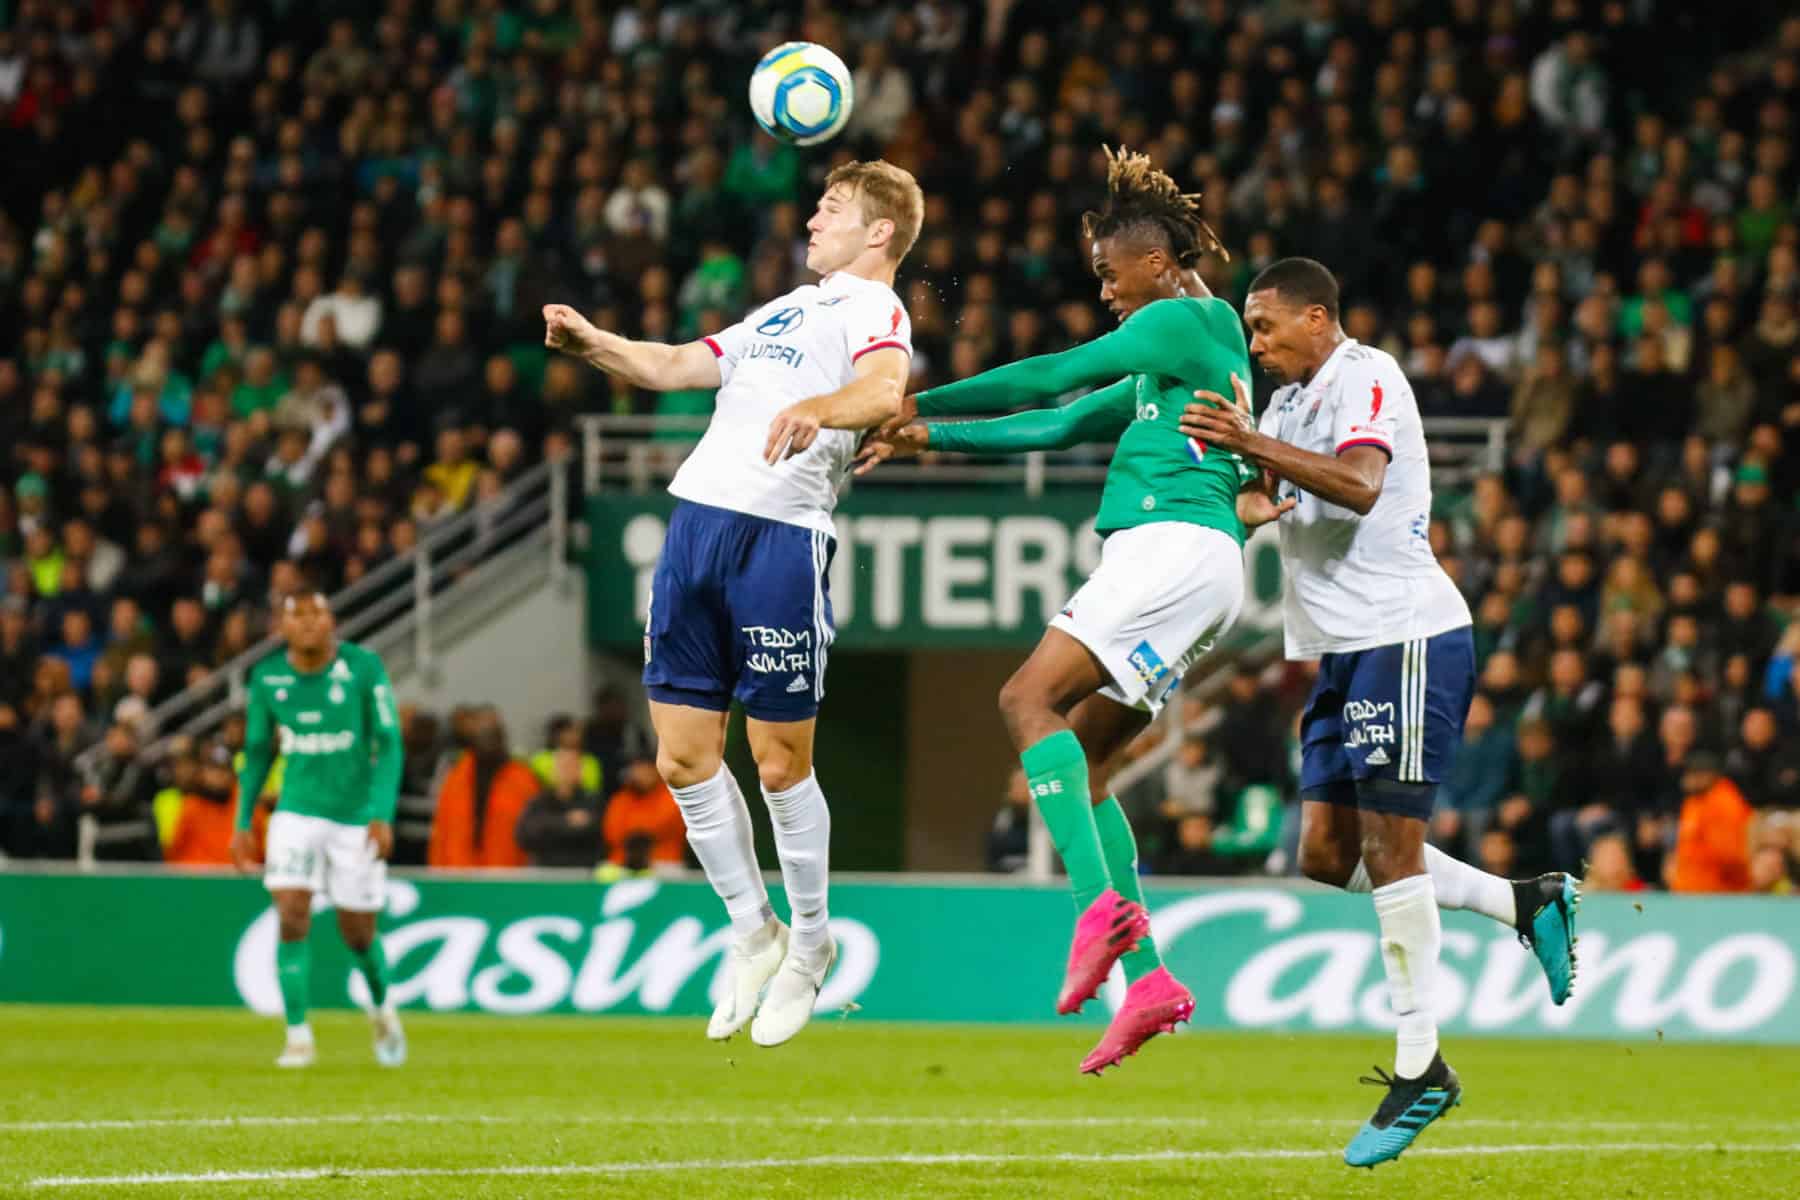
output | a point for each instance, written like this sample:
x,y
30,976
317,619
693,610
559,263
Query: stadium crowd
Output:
x,y
270,276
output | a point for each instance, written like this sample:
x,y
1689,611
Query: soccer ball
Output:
x,y
801,93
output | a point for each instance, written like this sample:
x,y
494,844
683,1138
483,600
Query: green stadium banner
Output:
x,y
1257,957
915,567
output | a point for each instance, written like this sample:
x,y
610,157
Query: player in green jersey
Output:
x,y
330,706
1170,578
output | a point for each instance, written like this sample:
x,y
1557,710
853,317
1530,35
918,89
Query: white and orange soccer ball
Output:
x,y
801,93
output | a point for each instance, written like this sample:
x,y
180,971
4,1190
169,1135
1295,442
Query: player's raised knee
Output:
x,y
1020,701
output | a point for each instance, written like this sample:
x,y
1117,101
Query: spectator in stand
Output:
x,y
1469,799
1191,781
1250,735
115,792
1712,845
565,733
480,801
208,814
561,825
1771,873
1609,867
1009,839
1765,766
1541,785
25,817
643,824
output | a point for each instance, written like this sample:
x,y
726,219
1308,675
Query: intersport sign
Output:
x,y
915,567
1256,957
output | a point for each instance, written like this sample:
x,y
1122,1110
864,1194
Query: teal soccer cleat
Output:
x,y
1410,1106
1546,924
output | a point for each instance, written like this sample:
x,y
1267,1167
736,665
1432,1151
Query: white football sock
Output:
x,y
803,843
718,828
1461,886
1410,940
1458,886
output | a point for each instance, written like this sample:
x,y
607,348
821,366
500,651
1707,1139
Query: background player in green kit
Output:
x,y
1170,578
331,707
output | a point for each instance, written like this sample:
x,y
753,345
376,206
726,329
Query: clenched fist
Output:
x,y
567,330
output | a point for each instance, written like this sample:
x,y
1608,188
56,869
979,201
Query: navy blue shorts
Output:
x,y
740,608
1389,713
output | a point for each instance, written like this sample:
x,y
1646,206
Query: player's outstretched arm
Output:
x,y
1351,480
870,399
653,365
259,756
1152,341
1096,417
387,758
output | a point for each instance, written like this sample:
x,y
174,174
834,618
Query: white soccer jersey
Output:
x,y
1355,582
804,344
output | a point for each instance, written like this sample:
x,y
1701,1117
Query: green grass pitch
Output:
x,y
136,1102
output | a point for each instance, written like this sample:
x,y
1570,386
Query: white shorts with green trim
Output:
x,y
313,854
1161,597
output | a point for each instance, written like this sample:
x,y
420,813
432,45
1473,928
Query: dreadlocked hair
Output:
x,y
1140,197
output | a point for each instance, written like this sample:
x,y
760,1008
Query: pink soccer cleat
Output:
x,y
1111,928
1154,1004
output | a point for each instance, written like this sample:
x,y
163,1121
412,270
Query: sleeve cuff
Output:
x,y
1367,441
885,344
714,347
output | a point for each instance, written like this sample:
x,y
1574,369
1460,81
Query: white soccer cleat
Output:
x,y
789,1004
390,1039
299,1052
754,962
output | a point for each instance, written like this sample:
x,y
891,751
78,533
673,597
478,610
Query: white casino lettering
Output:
x,y
550,960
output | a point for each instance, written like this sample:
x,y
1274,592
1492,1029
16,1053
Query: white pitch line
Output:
x,y
832,1121
832,1161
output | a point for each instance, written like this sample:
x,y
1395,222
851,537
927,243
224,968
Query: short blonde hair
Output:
x,y
885,193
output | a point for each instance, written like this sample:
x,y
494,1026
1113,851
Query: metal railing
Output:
x,y
409,585
640,453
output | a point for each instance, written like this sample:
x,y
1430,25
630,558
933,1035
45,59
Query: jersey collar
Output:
x,y
1329,368
336,654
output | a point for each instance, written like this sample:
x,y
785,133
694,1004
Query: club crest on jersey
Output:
x,y
778,324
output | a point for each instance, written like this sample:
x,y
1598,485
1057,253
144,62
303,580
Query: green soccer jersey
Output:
x,y
1158,357
336,732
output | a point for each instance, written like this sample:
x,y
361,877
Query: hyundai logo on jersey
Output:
x,y
785,321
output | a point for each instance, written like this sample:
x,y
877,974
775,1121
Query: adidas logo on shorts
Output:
x,y
799,684
1377,757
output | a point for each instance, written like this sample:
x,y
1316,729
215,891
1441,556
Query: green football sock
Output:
x,y
293,967
373,965
1057,770
1120,849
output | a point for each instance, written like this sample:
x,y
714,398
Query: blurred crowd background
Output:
x,y
270,276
